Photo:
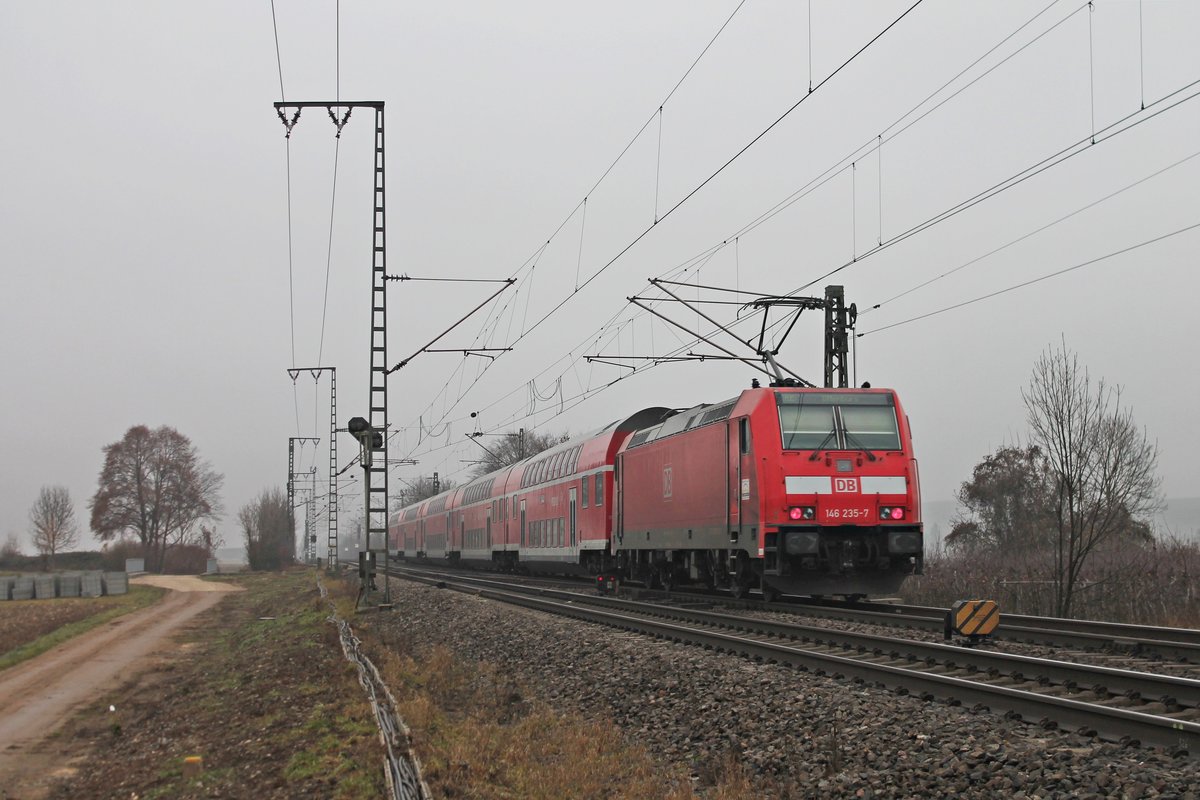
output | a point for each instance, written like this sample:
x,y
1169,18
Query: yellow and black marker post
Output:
x,y
975,620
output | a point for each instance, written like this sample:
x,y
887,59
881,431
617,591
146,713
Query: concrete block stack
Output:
x,y
69,584
91,585
116,583
22,588
43,587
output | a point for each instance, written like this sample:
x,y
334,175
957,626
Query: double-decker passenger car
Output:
x,y
784,489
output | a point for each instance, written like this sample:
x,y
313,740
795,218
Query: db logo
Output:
x,y
667,487
845,485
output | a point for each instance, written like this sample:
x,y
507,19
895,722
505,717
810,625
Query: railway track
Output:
x,y
1175,644
1181,644
1115,704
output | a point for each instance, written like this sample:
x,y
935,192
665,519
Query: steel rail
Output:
x,y
1176,643
1106,721
1169,690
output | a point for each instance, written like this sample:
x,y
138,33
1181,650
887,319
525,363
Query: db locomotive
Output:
x,y
783,489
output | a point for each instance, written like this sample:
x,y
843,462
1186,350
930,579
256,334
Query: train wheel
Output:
x,y
666,577
770,593
741,580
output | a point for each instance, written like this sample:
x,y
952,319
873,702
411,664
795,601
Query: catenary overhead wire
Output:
x,y
532,260
1039,279
1032,233
291,283
1083,145
877,141
758,137
337,143
1078,147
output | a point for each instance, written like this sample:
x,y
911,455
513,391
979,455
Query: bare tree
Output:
x,y
11,549
1103,467
155,485
513,447
54,525
420,489
267,526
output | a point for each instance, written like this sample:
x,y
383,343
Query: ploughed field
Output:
x,y
786,733
28,627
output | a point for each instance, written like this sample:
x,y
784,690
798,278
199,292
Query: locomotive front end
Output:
x,y
847,516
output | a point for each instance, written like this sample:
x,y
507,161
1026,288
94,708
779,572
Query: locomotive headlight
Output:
x,y
891,512
798,513
904,542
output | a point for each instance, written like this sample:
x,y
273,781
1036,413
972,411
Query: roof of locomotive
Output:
x,y
711,413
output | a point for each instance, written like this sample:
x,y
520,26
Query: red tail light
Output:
x,y
891,512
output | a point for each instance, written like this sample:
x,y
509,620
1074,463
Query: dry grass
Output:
x,y
1157,584
479,734
263,693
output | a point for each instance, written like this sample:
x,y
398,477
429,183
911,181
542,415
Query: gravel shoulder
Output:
x,y
799,734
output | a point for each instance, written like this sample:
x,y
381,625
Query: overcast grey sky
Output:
x,y
143,217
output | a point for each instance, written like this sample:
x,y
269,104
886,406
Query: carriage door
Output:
x,y
573,493
739,450
522,523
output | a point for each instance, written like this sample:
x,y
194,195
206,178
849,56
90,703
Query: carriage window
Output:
x,y
599,497
583,492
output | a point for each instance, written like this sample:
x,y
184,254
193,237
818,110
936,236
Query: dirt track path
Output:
x,y
39,695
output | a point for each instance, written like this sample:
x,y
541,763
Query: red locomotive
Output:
x,y
783,489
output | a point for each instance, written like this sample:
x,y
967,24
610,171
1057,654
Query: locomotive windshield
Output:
x,y
837,421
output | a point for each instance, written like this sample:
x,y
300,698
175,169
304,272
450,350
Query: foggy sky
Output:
x,y
144,217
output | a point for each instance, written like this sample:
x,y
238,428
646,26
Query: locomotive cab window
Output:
x,y
744,435
837,421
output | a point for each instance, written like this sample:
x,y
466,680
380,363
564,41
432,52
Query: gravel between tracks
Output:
x,y
803,735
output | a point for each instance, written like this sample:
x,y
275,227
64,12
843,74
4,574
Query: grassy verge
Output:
x,y
479,734
65,618
262,693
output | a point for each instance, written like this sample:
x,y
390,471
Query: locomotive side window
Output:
x,y
744,435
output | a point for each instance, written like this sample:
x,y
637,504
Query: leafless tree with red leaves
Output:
x,y
155,485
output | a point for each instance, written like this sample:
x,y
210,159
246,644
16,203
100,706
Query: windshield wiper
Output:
x,y
817,452
850,439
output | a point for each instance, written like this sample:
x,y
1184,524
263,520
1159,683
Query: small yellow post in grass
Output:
x,y
193,766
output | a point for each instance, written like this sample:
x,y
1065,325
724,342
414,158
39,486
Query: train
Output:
x,y
781,489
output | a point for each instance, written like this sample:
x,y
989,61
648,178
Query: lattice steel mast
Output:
x,y
376,477
332,507
291,482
